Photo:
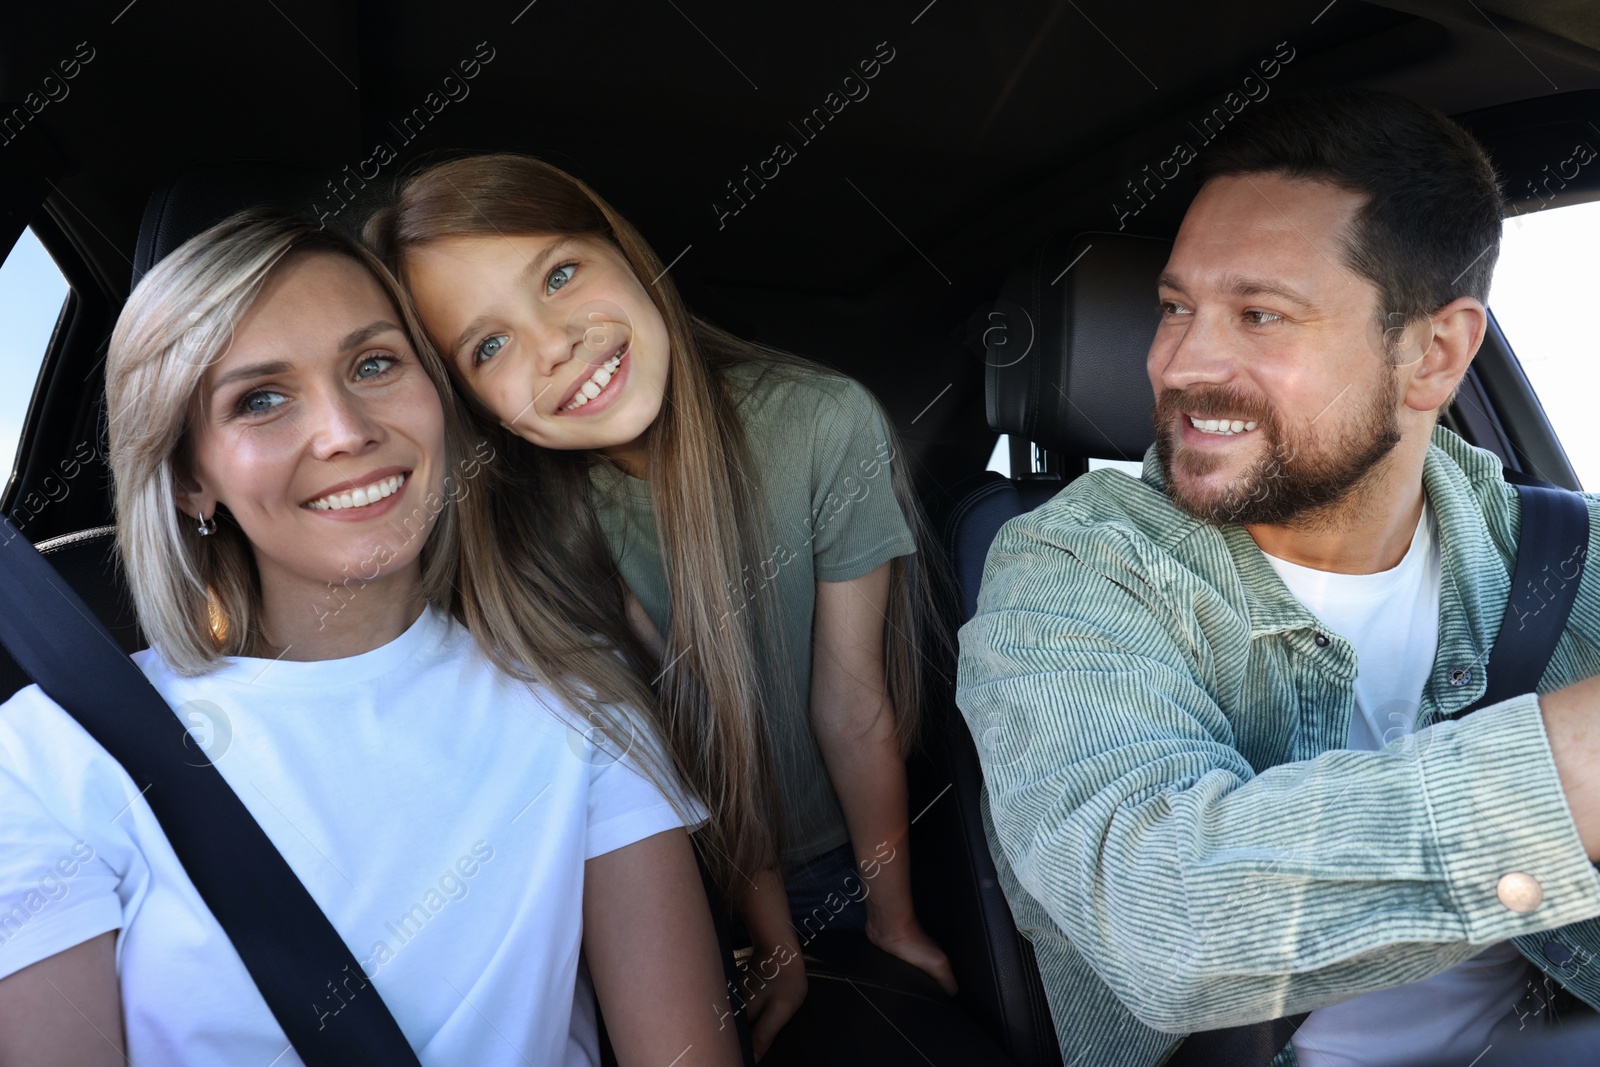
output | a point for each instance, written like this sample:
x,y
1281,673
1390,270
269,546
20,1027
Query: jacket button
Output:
x,y
1460,676
1321,639
1519,892
1557,953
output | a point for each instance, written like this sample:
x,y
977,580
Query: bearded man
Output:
x,y
1214,704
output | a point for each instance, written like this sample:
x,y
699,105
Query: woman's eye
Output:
x,y
489,347
373,366
259,402
560,276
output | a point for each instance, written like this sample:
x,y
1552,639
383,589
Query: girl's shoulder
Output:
x,y
770,391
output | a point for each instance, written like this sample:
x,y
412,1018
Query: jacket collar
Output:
x,y
1467,491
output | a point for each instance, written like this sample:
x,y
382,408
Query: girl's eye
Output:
x,y
373,366
489,347
1261,318
560,276
258,402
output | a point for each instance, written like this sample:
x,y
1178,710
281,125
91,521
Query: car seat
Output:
x,y
1064,375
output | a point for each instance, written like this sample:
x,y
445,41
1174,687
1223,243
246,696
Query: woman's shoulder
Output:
x,y
46,753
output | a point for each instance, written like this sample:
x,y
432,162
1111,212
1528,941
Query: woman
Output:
x,y
746,497
290,496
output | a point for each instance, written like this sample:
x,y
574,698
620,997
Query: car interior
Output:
x,y
973,230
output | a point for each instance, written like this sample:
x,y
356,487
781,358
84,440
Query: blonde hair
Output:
x,y
708,513
199,598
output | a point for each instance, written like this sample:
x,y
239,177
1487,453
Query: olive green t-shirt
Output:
x,y
821,460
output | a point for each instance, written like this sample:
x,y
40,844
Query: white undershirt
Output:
x,y
438,812
1392,620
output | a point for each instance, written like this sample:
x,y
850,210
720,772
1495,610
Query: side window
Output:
x,y
1543,296
32,291
1000,460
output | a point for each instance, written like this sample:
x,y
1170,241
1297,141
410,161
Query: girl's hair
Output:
x,y
199,598
708,511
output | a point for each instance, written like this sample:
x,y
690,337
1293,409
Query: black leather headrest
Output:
x,y
1067,371
204,194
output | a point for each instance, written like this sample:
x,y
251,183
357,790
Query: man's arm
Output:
x,y
1205,894
1572,723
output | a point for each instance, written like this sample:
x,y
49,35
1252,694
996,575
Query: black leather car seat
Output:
x,y
1066,375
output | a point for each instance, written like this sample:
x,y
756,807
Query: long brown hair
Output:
x,y
708,509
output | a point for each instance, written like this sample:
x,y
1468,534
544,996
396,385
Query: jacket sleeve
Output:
x,y
1205,894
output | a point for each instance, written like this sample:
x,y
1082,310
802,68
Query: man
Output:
x,y
1210,703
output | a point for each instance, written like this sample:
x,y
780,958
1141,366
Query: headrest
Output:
x,y
204,194
1067,370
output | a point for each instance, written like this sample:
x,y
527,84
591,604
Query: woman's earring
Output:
x,y
207,527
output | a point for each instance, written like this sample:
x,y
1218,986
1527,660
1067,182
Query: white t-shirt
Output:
x,y
437,811
1392,620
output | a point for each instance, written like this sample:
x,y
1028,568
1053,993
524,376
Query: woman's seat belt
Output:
x,y
296,957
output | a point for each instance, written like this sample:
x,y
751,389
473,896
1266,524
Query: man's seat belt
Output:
x,y
1551,550
298,960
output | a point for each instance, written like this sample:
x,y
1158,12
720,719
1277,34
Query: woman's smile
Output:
x,y
364,498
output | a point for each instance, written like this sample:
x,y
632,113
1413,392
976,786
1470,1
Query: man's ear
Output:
x,y
1457,329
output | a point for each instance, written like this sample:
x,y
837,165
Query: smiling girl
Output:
x,y
291,494
748,500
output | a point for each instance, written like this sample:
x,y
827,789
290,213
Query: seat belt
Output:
x,y
311,981
1551,550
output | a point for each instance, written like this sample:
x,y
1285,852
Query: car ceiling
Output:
x,y
992,124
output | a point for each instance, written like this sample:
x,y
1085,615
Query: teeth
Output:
x,y
597,381
1222,426
359,498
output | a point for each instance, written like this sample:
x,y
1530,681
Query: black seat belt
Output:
x,y
297,959
1551,550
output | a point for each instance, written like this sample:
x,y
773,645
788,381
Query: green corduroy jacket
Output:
x,y
1175,821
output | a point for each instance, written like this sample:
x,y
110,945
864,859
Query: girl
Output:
x,y
290,497
747,499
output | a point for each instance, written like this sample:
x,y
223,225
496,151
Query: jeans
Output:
x,y
826,892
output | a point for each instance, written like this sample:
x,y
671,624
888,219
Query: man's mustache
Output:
x,y
1213,403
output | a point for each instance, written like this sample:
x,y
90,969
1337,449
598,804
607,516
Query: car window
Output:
x,y
1544,284
1000,460
32,291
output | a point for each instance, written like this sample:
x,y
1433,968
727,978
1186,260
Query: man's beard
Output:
x,y
1298,479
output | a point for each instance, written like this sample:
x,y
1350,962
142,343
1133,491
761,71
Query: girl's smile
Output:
x,y
594,394
555,335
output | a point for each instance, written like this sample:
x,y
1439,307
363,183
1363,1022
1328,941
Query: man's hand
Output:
x,y
1572,724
